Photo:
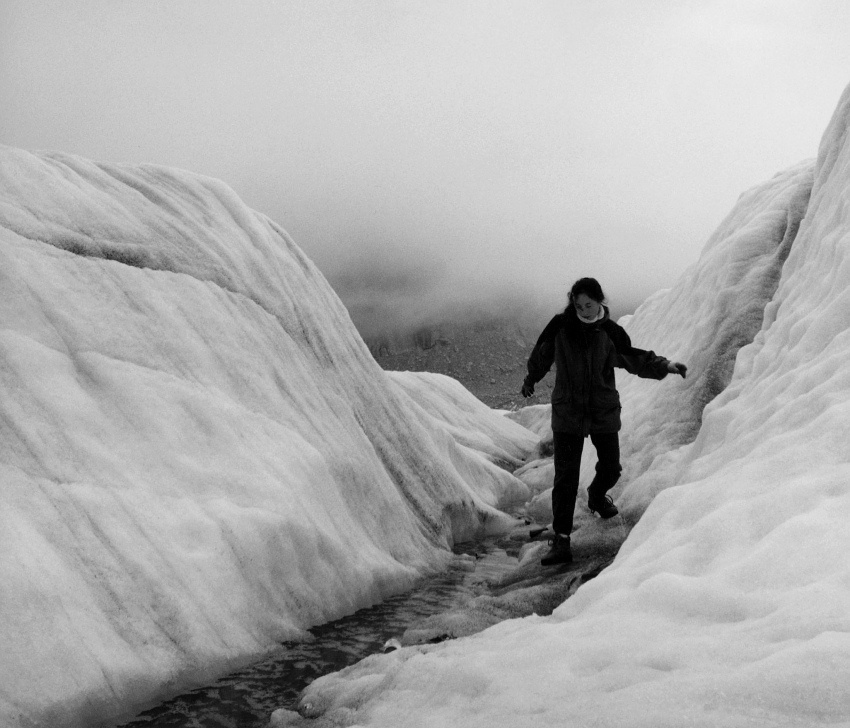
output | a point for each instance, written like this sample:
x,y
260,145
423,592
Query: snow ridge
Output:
x,y
199,456
716,308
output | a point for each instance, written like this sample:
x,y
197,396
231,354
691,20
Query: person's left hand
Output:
x,y
675,367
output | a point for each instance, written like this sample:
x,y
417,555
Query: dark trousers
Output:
x,y
568,448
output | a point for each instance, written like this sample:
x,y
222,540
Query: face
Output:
x,y
586,307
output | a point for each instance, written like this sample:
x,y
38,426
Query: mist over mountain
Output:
x,y
505,148
393,298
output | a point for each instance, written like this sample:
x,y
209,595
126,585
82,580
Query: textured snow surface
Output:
x,y
729,603
471,422
714,309
198,455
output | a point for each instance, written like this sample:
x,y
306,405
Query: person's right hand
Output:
x,y
527,389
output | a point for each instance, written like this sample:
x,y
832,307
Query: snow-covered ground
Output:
x,y
198,455
729,603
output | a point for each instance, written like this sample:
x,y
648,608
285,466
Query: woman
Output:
x,y
585,346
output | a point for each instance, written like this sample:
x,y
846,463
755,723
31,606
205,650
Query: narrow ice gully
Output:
x,y
199,458
729,603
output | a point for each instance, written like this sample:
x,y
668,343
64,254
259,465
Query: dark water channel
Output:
x,y
247,698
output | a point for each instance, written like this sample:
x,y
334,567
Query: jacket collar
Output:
x,y
573,317
601,316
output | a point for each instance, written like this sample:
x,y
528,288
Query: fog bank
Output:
x,y
475,151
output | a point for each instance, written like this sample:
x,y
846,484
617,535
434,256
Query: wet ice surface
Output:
x,y
247,698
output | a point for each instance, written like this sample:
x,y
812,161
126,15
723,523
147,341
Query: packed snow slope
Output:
x,y
198,455
729,603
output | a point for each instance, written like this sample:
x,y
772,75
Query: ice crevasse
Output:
x,y
198,456
729,603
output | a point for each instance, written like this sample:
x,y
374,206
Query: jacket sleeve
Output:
x,y
645,364
543,353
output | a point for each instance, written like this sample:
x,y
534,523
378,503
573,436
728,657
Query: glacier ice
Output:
x,y
199,456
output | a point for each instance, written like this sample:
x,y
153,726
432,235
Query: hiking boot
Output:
x,y
559,553
603,505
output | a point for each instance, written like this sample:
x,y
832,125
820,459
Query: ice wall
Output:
x,y
729,603
715,308
198,455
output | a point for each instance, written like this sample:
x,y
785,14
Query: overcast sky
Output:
x,y
444,152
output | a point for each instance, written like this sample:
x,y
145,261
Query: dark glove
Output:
x,y
527,389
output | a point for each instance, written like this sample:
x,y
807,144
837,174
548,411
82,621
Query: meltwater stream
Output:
x,y
246,699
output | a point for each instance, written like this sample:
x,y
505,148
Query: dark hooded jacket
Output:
x,y
585,399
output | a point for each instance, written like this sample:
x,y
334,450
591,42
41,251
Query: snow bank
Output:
x,y
714,309
199,456
471,422
535,417
729,604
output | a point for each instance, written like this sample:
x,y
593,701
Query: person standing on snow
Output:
x,y
585,345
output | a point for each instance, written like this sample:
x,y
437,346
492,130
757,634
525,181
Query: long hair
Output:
x,y
575,330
